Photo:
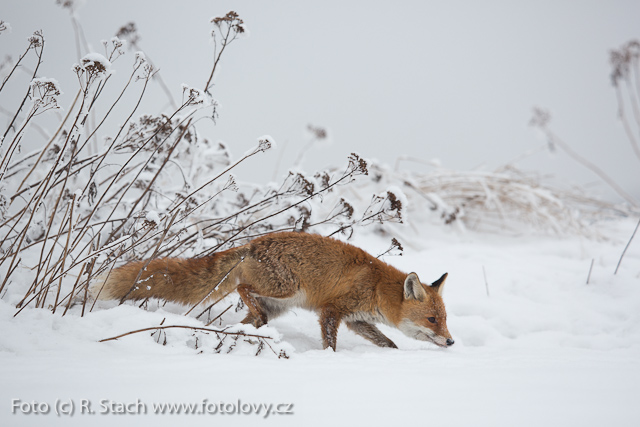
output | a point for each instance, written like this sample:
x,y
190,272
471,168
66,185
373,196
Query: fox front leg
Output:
x,y
371,333
330,319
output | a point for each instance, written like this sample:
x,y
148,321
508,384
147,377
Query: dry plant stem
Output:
x,y
213,304
108,267
122,168
62,273
73,290
626,247
215,287
595,169
133,181
43,187
188,213
157,174
633,100
214,179
278,213
636,73
86,226
195,328
39,193
155,253
162,84
77,30
115,139
14,166
486,283
157,76
46,147
35,73
65,253
10,272
6,79
44,289
590,269
86,286
122,192
625,123
361,221
62,224
126,86
241,211
219,315
78,164
225,43
15,143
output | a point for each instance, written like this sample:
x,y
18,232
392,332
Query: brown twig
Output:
x,y
590,269
219,315
626,247
195,328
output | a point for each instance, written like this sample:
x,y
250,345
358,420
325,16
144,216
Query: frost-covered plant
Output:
x,y
625,78
226,29
155,187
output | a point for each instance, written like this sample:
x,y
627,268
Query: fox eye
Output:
x,y
432,319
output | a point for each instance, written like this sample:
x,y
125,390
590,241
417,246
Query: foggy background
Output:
x,y
454,81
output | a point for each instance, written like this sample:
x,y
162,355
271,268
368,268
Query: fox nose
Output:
x,y
450,341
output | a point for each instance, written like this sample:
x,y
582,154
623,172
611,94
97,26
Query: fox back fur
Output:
x,y
276,272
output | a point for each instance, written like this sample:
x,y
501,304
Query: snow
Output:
x,y
265,142
96,58
98,62
153,216
196,96
140,56
543,347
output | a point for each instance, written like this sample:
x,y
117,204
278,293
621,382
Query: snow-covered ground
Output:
x,y
540,347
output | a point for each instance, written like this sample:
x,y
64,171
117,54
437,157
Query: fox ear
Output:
x,y
438,285
413,288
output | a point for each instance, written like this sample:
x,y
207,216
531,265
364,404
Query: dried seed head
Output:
x,y
232,19
129,32
67,4
317,132
44,92
36,40
93,66
231,184
357,165
324,178
265,143
347,208
304,185
4,26
622,60
396,244
540,118
395,204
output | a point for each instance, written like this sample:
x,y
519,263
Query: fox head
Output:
x,y
423,315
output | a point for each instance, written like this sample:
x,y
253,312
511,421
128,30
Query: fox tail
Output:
x,y
185,281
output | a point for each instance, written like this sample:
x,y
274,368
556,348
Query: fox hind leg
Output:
x,y
371,333
257,315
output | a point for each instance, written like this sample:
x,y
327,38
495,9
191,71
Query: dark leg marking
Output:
x,y
371,333
330,319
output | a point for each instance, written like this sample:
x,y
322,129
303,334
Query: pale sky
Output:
x,y
454,81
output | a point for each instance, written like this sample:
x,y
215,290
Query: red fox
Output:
x,y
278,271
